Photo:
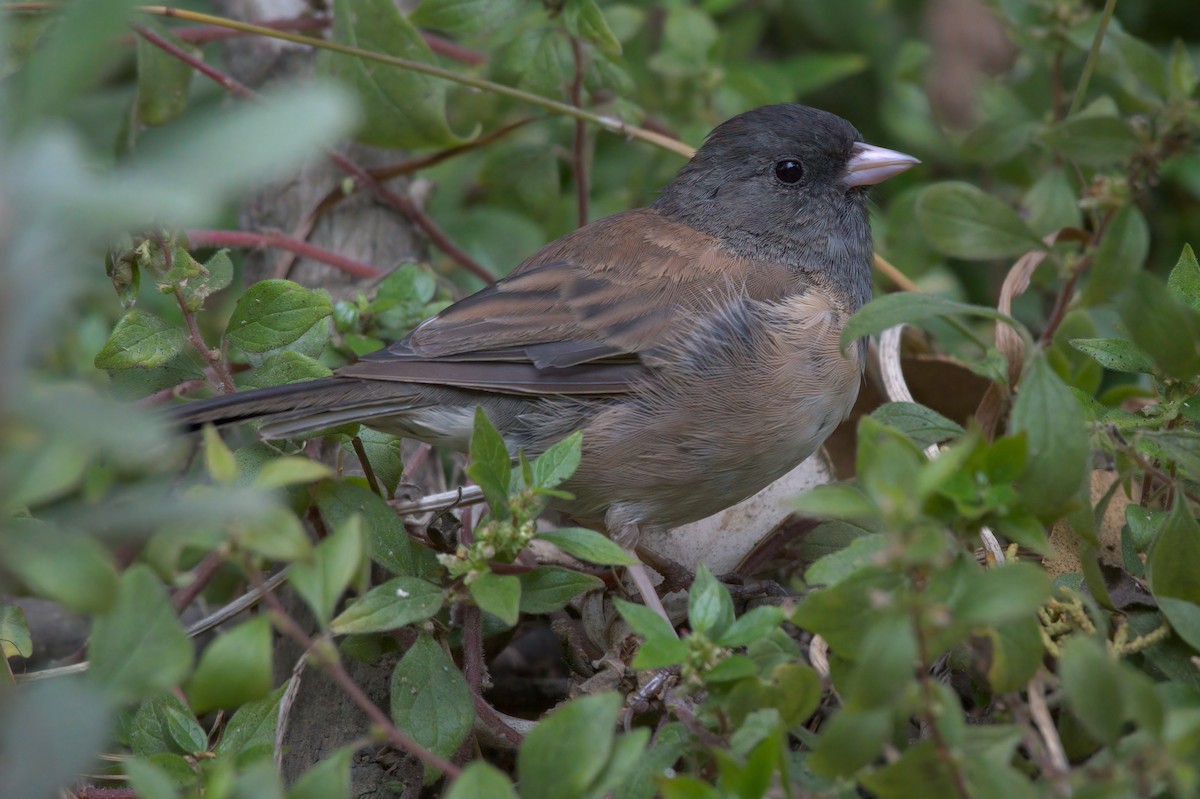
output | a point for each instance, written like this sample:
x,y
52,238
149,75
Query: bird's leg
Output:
x,y
626,537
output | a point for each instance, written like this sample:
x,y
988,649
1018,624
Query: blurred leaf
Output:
x,y
1091,682
710,608
1003,594
1116,354
1184,282
558,462
335,562
1179,446
837,566
290,470
234,669
148,780
1161,326
589,546
1119,257
662,646
565,753
431,700
74,570
687,36
850,741
402,108
218,458
481,780
396,603
910,308
163,80
548,588
1182,71
1092,140
843,612
885,666
921,765
329,778
274,313
386,456
923,425
1053,422
139,647
1015,653
50,733
276,534
962,221
1052,203
491,465
14,632
585,20
140,340
499,595
836,501
461,16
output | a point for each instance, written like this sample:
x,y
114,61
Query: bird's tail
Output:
x,y
296,409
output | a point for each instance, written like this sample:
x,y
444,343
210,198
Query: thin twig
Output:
x,y
365,462
246,239
611,124
213,357
1093,57
940,747
202,575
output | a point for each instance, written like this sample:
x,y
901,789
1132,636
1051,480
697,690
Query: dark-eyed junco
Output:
x,y
694,342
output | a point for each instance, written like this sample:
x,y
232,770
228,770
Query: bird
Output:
x,y
695,342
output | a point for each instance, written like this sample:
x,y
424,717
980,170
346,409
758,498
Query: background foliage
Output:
x,y
1044,244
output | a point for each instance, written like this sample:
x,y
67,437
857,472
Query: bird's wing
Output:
x,y
585,315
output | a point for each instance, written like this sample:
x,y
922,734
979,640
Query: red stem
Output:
x,y
241,238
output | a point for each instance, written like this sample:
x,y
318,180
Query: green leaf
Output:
x,y
491,465
386,456
481,780
1182,72
548,588
1091,682
910,308
1184,282
139,647
753,625
252,726
1171,572
274,313
885,665
1179,446
850,741
163,81
328,779
1092,140
558,462
662,646
923,425
963,222
836,501
403,108
396,603
921,765
335,562
234,669
585,20
461,16
163,723
1161,326
74,570
140,340
1052,203
499,595
285,367
1116,354
1119,257
589,546
215,275
276,534
843,612
431,700
565,753
710,608
388,539
14,632
1059,455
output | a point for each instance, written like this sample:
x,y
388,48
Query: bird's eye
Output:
x,y
789,171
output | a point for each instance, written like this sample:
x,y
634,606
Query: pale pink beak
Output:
x,y
869,165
